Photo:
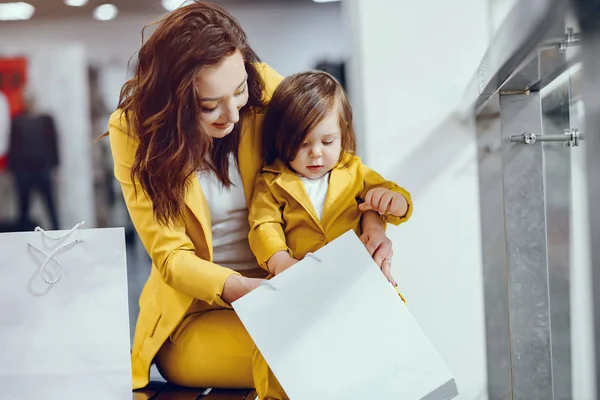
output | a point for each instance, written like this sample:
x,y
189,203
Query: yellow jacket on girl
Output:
x,y
283,218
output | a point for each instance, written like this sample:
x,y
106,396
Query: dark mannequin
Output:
x,y
32,158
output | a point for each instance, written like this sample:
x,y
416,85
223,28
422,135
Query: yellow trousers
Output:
x,y
212,349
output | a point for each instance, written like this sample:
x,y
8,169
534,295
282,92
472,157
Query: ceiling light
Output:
x,y
76,3
325,1
106,12
171,5
16,11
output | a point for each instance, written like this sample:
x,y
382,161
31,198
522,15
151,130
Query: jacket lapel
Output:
x,y
293,185
196,202
249,153
339,181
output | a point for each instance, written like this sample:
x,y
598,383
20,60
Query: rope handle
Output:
x,y
313,256
50,257
61,237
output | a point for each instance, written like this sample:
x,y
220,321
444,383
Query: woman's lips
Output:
x,y
222,126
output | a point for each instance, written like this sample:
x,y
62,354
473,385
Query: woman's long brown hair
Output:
x,y
162,108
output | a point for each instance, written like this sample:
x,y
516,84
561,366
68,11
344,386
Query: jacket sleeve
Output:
x,y
373,180
170,248
266,235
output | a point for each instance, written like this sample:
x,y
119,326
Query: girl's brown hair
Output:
x,y
162,106
298,104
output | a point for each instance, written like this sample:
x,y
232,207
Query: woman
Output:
x,y
186,146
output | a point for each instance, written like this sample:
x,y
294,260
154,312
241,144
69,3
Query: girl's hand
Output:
x,y
384,201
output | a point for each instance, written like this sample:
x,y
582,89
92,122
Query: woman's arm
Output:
x,y
172,252
237,286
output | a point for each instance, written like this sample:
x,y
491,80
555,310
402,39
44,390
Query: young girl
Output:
x,y
313,188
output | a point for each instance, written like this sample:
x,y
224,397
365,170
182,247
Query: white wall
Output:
x,y
58,79
499,10
411,62
416,59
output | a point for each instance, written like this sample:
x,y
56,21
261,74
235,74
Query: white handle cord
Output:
x,y
50,256
61,237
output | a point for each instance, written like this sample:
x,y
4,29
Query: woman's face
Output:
x,y
223,91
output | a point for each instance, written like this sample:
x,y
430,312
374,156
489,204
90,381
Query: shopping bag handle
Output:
x,y
313,256
64,235
50,256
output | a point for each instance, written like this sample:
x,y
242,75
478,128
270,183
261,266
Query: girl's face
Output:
x,y
223,91
320,151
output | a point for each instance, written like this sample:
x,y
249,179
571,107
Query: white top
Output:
x,y
317,192
229,216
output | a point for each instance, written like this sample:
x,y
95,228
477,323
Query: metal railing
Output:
x,y
525,212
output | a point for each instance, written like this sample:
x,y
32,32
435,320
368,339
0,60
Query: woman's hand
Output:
x,y
237,286
280,261
377,243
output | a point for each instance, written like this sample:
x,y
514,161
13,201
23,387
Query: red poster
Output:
x,y
13,78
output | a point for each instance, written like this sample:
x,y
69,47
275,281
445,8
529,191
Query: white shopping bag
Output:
x,y
64,325
333,328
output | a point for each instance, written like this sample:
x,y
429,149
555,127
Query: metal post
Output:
x,y
525,200
590,24
526,250
493,245
557,193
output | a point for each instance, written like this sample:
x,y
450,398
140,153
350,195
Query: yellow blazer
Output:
x,y
282,217
182,268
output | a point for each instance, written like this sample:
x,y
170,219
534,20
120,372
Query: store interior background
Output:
x,y
407,64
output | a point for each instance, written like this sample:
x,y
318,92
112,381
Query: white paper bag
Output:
x,y
332,327
64,324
